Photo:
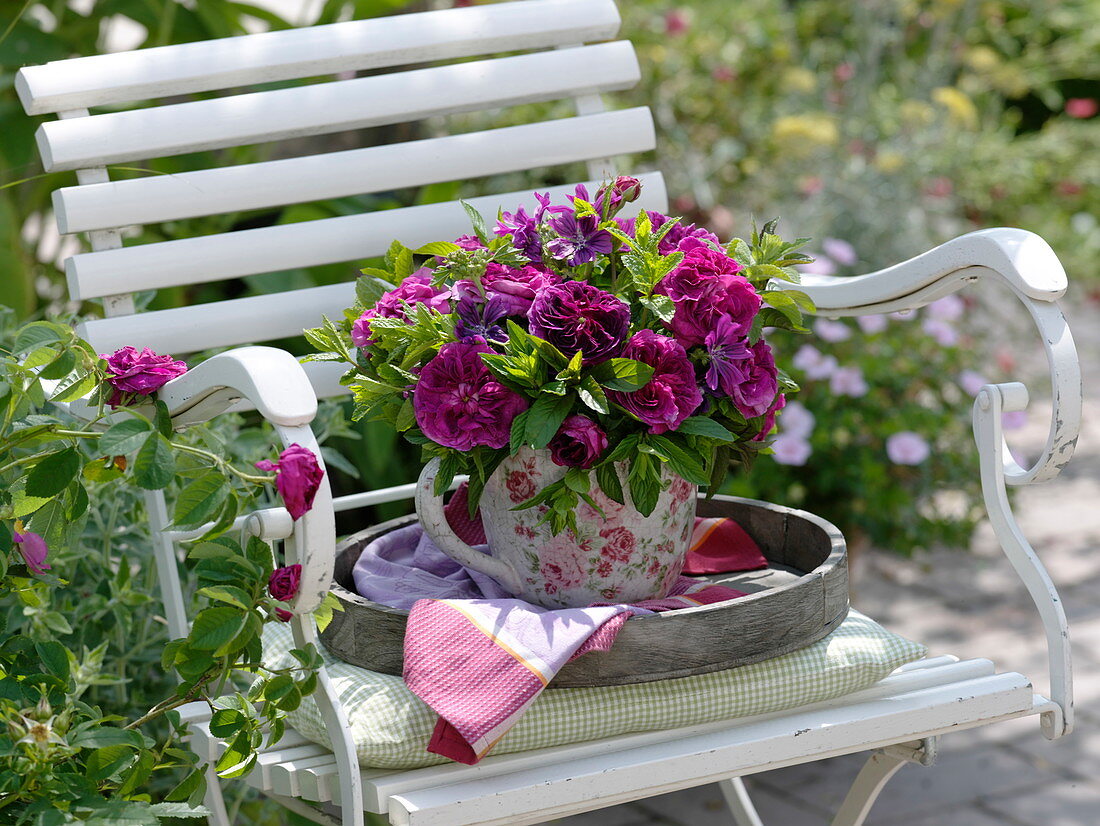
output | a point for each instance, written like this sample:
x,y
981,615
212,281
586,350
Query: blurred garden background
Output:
x,y
879,128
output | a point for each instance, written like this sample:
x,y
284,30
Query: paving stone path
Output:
x,y
969,605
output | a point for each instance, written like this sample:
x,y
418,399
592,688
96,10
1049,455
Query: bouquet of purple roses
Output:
x,y
636,341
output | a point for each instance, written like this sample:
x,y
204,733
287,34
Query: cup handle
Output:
x,y
429,508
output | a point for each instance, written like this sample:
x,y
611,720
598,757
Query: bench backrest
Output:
x,y
547,60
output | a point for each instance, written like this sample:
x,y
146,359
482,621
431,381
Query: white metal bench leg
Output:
x,y
215,800
739,802
876,773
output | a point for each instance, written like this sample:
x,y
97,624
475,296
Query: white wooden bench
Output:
x,y
899,717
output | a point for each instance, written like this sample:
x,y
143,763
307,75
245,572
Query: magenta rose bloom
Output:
x,y
139,374
577,316
671,394
283,584
579,442
33,549
297,478
755,395
415,289
705,287
469,243
460,404
516,288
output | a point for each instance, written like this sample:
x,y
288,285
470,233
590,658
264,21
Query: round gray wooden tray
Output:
x,y
797,600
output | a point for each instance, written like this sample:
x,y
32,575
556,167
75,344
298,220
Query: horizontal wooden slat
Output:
x,y
267,317
270,249
85,82
260,117
336,174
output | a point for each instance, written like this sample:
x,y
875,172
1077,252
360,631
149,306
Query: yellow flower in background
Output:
x,y
982,59
916,113
889,162
798,79
958,105
800,134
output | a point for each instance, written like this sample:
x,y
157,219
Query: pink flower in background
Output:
x,y
972,381
939,187
284,582
840,251
844,72
821,265
671,394
459,403
948,308
723,74
676,22
907,448
813,362
133,374
1082,107
871,324
297,478
579,442
1014,419
791,450
944,334
848,381
797,421
832,331
33,549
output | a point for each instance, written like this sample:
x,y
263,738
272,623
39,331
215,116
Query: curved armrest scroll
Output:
x,y
270,378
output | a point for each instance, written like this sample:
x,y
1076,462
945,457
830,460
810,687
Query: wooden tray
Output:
x,y
800,598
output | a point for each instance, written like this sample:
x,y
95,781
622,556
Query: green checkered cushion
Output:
x,y
391,726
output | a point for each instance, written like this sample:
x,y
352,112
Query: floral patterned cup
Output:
x,y
619,557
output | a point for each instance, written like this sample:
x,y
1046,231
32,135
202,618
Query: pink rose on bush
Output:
x,y
33,549
459,403
132,374
705,287
671,394
907,448
297,478
579,442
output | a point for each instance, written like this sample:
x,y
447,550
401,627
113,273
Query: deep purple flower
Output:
x,y
524,228
284,582
728,349
705,287
580,239
34,550
577,316
460,404
671,394
297,478
623,190
755,395
480,318
579,442
415,289
139,374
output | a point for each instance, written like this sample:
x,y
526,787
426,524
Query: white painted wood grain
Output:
x,y
270,249
311,52
260,117
376,169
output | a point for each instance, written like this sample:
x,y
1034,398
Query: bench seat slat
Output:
x,y
281,315
260,117
148,74
287,246
353,172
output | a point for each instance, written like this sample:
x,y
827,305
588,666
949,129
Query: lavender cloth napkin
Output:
x,y
403,566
